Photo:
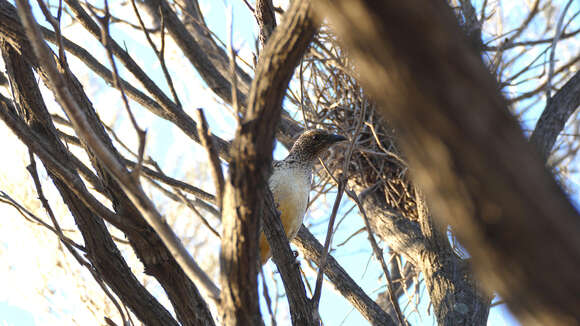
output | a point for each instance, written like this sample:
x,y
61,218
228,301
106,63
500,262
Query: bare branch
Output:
x,y
215,164
85,130
379,256
101,249
74,183
34,173
312,249
172,111
266,19
250,168
554,117
558,32
471,168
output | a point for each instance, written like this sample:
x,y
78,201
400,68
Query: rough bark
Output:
x,y
158,261
456,297
266,19
250,167
289,44
400,233
208,59
444,272
102,251
302,311
163,107
478,171
554,117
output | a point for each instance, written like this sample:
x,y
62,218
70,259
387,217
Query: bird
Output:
x,y
291,179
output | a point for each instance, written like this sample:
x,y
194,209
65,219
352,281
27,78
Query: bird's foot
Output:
x,y
296,261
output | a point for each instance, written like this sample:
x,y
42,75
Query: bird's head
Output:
x,y
312,143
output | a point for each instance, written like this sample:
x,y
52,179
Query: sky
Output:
x,y
15,301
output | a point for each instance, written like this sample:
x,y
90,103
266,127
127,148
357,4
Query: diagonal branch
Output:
x,y
313,250
478,171
101,250
172,111
213,63
555,115
89,136
158,261
215,164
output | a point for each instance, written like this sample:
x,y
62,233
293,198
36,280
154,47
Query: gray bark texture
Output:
x,y
246,189
552,121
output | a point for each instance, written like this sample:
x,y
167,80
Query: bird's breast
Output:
x,y
290,187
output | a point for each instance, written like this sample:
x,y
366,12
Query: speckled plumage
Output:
x,y
291,179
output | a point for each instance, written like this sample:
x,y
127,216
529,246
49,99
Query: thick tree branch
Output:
x,y
108,159
69,176
402,234
202,197
250,168
478,171
157,260
209,60
161,105
102,252
301,308
266,19
557,112
456,297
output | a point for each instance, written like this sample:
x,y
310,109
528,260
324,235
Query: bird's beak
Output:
x,y
337,138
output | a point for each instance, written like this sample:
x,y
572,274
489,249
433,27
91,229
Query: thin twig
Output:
x,y
157,175
267,297
34,174
55,22
233,75
159,53
192,207
214,160
558,33
42,149
341,187
379,255
106,39
29,216
329,232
